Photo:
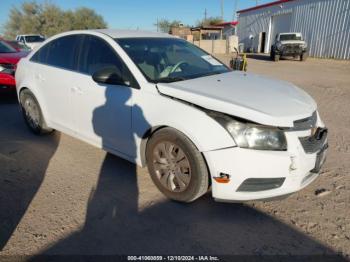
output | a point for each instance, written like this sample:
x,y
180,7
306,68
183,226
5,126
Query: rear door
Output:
x,y
53,75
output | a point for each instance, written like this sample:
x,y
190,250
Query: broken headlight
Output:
x,y
253,136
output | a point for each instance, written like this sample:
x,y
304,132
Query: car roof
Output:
x,y
119,33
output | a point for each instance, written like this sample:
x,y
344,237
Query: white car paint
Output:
x,y
250,96
71,100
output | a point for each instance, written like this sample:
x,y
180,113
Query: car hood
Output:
x,y
12,58
288,42
245,95
33,45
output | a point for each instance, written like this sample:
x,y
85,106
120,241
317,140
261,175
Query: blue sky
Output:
x,y
142,14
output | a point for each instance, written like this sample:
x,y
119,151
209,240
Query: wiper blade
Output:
x,y
170,79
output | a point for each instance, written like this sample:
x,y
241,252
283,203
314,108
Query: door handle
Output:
x,y
39,77
76,89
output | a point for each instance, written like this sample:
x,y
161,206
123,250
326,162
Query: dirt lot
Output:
x,y
61,196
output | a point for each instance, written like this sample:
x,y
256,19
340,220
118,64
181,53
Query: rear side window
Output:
x,y
41,55
60,52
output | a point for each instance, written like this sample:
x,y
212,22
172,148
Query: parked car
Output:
x,y
30,41
289,44
161,102
19,46
9,58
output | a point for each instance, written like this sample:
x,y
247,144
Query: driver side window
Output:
x,y
97,54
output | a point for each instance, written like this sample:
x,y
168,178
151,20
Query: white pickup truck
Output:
x,y
30,40
289,44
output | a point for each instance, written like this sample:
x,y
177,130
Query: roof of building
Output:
x,y
264,5
118,33
207,27
234,23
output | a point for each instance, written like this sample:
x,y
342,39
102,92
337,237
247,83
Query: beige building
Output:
x,y
214,39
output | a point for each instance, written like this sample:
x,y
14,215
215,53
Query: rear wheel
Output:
x,y
303,57
32,113
176,166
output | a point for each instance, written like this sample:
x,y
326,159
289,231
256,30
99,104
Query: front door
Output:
x,y
102,112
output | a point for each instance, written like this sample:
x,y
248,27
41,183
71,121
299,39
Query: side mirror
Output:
x,y
109,75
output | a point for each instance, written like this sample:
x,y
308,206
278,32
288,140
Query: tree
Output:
x,y
85,18
213,20
48,19
164,25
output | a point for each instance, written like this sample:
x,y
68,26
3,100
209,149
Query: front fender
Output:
x,y
152,110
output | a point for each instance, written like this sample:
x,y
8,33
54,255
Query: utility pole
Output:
x,y
222,10
205,14
157,24
235,11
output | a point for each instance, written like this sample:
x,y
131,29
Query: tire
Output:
x,y
176,166
303,57
32,113
276,57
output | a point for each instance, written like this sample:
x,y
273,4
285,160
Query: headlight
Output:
x,y
253,136
279,45
304,45
7,68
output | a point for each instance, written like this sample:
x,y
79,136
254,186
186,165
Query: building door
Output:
x,y
280,24
262,42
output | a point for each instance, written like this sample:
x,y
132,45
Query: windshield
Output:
x,y
6,48
170,59
290,37
34,38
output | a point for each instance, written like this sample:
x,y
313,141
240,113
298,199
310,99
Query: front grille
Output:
x,y
2,87
315,143
305,123
291,48
8,66
260,184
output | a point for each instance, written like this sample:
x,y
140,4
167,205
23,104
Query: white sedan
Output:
x,y
161,102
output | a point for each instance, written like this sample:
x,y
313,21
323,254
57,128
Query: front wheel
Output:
x,y
303,57
176,166
276,57
32,113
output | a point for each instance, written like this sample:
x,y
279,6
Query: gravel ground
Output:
x,y
61,196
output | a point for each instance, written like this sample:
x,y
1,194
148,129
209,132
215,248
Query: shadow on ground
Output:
x,y
23,161
263,57
115,225
266,57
